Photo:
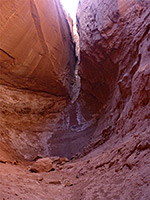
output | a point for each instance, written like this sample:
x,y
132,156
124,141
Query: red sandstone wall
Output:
x,y
36,48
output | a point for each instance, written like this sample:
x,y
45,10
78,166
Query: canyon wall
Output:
x,y
37,64
104,128
115,86
115,65
36,48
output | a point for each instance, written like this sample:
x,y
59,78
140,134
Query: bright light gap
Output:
x,y
71,7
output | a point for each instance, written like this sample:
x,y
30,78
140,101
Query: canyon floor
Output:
x,y
117,170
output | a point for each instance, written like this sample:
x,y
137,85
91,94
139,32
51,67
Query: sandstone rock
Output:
x,y
114,65
109,46
68,184
55,182
37,64
36,48
143,145
58,160
115,75
63,160
42,165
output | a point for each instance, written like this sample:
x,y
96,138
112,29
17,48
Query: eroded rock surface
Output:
x,y
37,64
113,171
38,111
112,36
114,67
115,79
35,123
115,90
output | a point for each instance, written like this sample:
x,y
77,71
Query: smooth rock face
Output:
x,y
36,48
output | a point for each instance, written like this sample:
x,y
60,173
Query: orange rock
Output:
x,y
42,165
36,48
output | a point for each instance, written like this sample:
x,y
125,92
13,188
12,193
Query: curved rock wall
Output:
x,y
110,35
115,76
37,64
114,67
36,48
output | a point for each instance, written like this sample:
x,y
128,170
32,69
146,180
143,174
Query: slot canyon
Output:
x,y
75,108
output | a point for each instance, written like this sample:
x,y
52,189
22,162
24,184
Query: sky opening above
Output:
x,y
71,7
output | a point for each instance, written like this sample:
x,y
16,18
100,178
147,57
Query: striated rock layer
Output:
x,y
36,48
38,109
37,64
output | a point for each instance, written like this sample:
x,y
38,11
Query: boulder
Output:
x,y
42,165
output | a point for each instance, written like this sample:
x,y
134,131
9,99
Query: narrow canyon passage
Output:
x,y
75,109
